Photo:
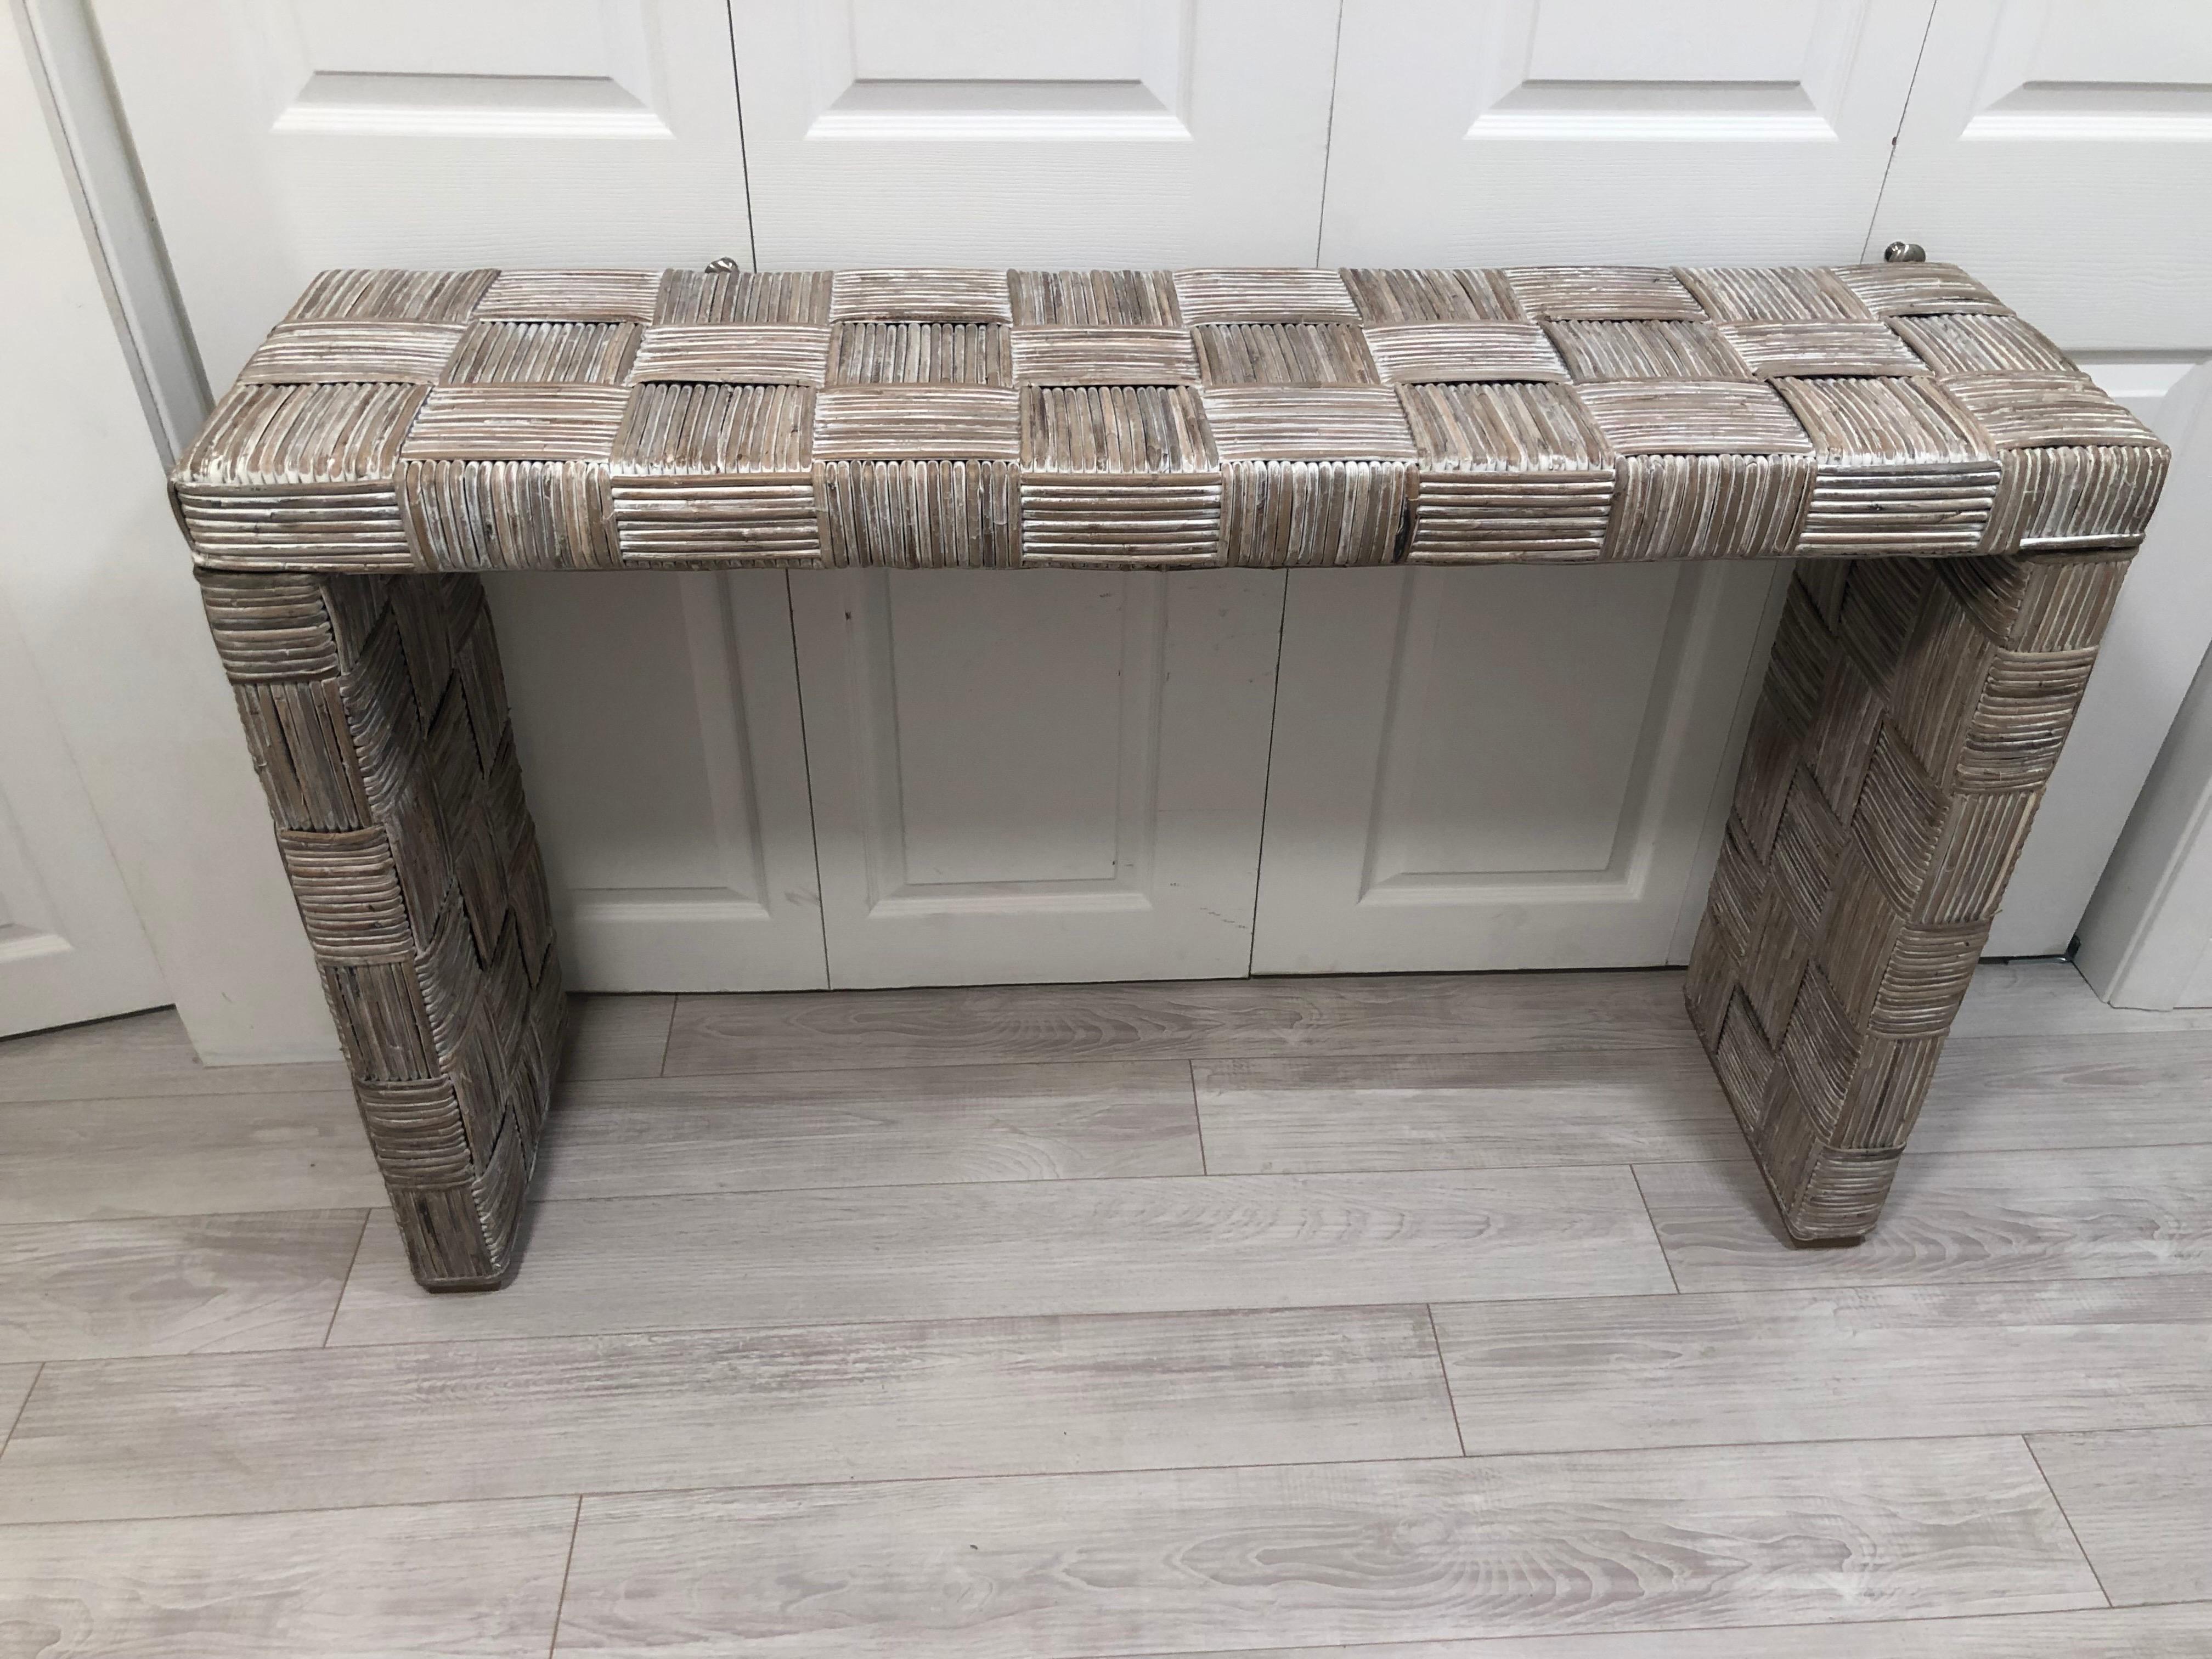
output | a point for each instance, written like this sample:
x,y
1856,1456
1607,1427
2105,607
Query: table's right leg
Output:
x,y
1912,712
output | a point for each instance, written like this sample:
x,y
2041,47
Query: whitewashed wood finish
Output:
x,y
656,715
2080,1214
1497,768
459,1581
623,1037
879,1128
88,1290
141,1055
2160,1632
638,1414
84,1160
2141,1505
1559,131
1461,1111
1222,1557
1713,1369
140,1434
2003,1094
1080,801
1018,1247
1126,132
1411,1014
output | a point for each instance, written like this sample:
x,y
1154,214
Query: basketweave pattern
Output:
x,y
457,421
1965,501
1913,712
377,722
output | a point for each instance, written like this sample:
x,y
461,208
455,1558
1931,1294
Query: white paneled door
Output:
x,y
1505,767
1057,775
1485,133
656,716
1036,132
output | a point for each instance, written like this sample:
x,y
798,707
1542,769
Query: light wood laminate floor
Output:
x,y
1417,1318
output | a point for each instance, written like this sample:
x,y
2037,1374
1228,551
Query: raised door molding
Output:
x,y
2059,150
1484,132
1057,777
1034,132
1513,767
281,137
669,785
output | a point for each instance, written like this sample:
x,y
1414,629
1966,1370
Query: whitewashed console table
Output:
x,y
1963,499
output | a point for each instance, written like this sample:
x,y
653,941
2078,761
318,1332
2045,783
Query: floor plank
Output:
x,y
82,1160
2141,1505
1027,1248
1462,1111
881,1127
422,1424
92,1290
1949,1359
617,1037
143,1053
1193,1020
2092,1213
461,1581
2010,1094
1082,1564
2168,1632
2043,996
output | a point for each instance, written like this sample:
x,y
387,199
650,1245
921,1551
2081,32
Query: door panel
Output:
x,y
281,137
1504,768
669,784
1034,132
2060,149
1553,131
1056,777
71,945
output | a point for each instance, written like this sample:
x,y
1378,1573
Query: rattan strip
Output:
x,y
480,420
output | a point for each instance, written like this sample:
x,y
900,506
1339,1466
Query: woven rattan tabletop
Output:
x,y
473,420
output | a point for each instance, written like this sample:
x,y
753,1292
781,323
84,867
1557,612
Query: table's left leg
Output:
x,y
377,718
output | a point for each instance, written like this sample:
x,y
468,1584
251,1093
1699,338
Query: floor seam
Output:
x,y
2028,1445
567,1564
344,1280
22,1406
1197,1117
1443,1373
845,1483
1651,1220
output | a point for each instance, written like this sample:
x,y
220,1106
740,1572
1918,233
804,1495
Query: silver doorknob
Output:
x,y
1905,254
